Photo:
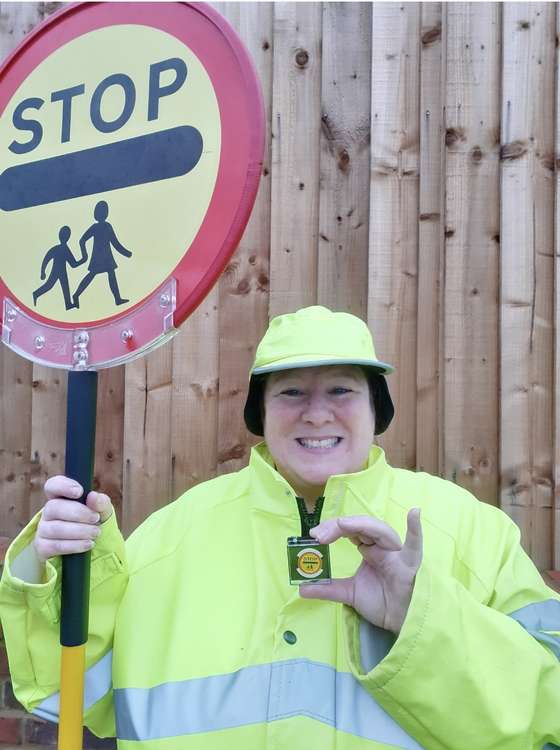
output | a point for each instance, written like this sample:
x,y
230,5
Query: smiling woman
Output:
x,y
318,421
197,637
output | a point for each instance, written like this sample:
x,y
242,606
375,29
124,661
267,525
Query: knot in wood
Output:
x,y
343,160
431,35
454,135
513,150
302,58
476,154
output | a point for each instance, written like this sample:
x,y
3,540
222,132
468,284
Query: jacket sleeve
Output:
x,y
30,614
473,670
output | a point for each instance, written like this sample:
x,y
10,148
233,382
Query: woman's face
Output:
x,y
318,421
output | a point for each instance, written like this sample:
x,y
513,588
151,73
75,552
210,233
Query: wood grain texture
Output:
x,y
344,157
108,466
15,441
475,342
296,107
194,418
556,416
429,407
472,231
527,192
147,436
243,288
48,429
393,236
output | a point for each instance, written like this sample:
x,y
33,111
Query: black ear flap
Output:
x,y
382,403
252,412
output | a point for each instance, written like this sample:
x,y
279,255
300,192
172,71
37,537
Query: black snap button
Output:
x,y
290,637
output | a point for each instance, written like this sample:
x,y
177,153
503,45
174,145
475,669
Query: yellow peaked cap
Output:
x,y
316,336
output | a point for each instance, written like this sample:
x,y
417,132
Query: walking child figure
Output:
x,y
102,260
61,256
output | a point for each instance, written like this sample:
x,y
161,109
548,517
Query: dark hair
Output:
x,y
380,399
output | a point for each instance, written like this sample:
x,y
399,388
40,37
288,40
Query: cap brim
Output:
x,y
380,367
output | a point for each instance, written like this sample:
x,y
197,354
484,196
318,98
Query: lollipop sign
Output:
x,y
130,145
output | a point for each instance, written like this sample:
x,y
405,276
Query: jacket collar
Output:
x,y
362,493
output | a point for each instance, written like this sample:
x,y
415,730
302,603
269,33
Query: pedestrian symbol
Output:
x,y
102,260
60,256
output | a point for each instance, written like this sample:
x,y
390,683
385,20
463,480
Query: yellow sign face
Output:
x,y
310,563
110,156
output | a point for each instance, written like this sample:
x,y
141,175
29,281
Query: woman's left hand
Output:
x,y
381,589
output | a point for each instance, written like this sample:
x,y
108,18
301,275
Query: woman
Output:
x,y
197,640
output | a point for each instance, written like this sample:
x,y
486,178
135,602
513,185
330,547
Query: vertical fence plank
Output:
x,y
393,260
556,457
16,20
430,243
194,420
147,436
108,468
15,441
470,431
243,288
344,168
296,107
48,429
527,272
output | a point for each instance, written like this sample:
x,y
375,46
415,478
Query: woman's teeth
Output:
x,y
323,443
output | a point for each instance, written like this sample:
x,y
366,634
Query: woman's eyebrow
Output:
x,y
355,376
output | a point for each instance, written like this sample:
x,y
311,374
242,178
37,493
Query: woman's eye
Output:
x,y
340,390
291,392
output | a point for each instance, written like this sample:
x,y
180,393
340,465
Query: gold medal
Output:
x,y
308,561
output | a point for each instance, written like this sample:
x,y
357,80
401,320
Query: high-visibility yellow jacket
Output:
x,y
198,642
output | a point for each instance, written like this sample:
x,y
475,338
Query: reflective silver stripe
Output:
x,y
375,644
254,695
97,683
539,617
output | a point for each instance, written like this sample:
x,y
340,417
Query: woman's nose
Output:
x,y
317,410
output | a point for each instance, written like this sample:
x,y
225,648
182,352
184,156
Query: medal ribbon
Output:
x,y
309,520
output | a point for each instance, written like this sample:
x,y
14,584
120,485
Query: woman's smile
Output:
x,y
318,421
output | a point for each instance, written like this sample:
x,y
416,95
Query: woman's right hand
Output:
x,y
68,526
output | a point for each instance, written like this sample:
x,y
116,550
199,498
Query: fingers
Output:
x,y
412,547
339,590
60,486
51,548
69,531
67,526
100,503
360,530
60,509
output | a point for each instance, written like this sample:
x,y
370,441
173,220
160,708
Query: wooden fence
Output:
x,y
410,178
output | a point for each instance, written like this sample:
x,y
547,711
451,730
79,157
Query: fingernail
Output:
x,y
76,490
96,518
91,543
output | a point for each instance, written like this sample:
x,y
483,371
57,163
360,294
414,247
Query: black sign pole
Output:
x,y
80,450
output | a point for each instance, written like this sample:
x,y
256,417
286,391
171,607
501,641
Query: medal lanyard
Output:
x,y
309,520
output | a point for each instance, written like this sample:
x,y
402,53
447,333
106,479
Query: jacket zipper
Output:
x,y
309,520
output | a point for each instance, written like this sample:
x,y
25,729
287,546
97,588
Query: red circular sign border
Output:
x,y
242,145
